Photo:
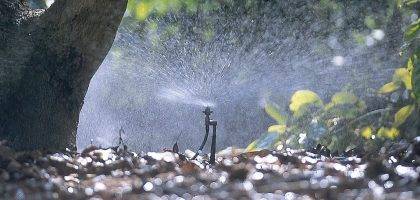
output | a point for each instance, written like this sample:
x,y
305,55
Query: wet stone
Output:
x,y
4,175
13,166
238,173
284,174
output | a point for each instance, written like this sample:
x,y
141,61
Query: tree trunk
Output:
x,y
47,59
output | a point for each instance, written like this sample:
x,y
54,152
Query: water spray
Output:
x,y
208,122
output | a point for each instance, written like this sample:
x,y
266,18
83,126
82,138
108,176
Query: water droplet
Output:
x,y
338,60
148,186
378,34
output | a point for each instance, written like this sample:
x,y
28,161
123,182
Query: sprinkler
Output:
x,y
208,122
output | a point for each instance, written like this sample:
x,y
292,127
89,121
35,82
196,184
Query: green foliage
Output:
x,y
413,65
342,123
406,78
402,79
312,122
412,31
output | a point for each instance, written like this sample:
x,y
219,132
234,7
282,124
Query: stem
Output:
x,y
374,112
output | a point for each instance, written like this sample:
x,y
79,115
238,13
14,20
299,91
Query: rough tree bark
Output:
x,y
47,59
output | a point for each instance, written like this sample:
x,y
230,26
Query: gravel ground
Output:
x,y
284,174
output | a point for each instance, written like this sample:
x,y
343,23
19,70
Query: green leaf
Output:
x,y
401,116
370,22
275,114
301,99
388,88
412,30
359,38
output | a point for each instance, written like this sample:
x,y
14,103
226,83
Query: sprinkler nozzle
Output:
x,y
207,111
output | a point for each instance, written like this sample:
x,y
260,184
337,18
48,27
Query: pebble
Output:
x,y
282,174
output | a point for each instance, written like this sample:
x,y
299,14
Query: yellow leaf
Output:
x,y
402,115
275,114
143,10
410,64
388,88
366,132
303,98
390,133
341,98
251,147
277,128
403,75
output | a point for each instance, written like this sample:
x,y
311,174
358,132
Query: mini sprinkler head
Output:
x,y
208,122
207,111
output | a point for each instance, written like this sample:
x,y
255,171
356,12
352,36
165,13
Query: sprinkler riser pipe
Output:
x,y
208,122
